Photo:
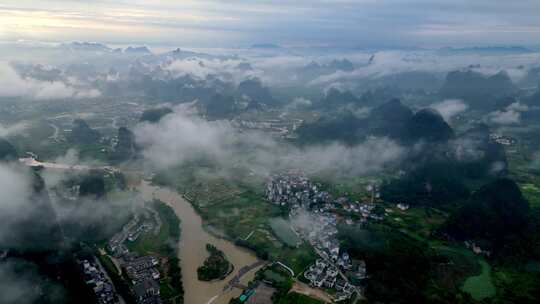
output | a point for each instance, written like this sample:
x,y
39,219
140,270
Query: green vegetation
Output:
x,y
112,199
81,133
427,125
480,286
516,286
295,298
445,182
388,253
433,264
497,215
126,148
155,115
279,278
438,176
476,89
215,267
164,242
164,245
92,185
533,266
107,263
274,276
119,281
173,281
7,151
451,273
451,179
354,188
235,208
284,232
430,271
532,194
247,215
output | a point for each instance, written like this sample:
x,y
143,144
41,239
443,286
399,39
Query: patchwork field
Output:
x,y
480,286
282,229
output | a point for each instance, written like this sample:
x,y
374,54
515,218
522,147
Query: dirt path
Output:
x,y
306,290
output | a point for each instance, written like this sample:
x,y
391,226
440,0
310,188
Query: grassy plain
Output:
x,y
480,286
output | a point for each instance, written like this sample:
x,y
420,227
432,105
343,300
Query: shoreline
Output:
x,y
195,236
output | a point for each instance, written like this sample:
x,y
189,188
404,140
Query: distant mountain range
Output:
x,y
496,50
265,46
99,47
392,119
476,88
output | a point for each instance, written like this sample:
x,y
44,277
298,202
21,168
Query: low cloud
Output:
x,y
367,157
13,85
15,189
13,129
510,115
450,108
180,138
394,62
226,70
26,218
467,149
32,219
535,162
53,178
299,103
17,287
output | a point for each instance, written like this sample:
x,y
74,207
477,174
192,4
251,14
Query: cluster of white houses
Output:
x,y
144,275
142,271
501,139
295,190
324,274
103,288
314,219
130,232
278,127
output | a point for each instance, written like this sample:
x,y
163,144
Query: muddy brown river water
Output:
x,y
192,251
192,246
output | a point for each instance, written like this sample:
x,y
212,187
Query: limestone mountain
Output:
x,y
389,119
81,133
155,115
335,98
477,89
255,91
495,214
427,125
7,150
126,147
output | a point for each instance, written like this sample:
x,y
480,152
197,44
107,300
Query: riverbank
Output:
x,y
192,250
216,267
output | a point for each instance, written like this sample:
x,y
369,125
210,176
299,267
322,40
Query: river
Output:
x,y
192,251
192,246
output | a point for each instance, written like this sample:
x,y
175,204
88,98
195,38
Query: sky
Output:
x,y
231,23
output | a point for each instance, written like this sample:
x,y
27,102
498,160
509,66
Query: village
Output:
x,y
278,127
313,218
142,271
96,277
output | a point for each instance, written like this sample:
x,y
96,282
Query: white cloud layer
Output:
x,y
13,129
179,138
13,85
509,116
386,63
450,108
317,22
